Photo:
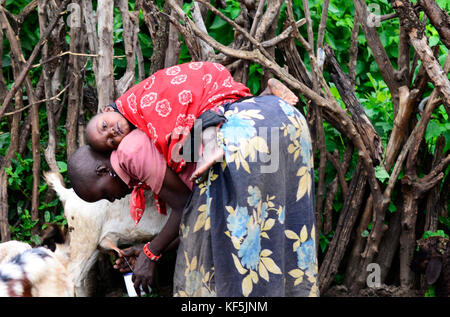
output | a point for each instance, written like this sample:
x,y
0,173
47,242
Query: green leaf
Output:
x,y
187,7
254,81
434,129
62,166
324,241
4,138
217,23
437,233
42,187
381,173
47,216
145,39
36,239
430,291
392,207
434,40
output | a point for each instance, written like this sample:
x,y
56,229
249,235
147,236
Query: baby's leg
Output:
x,y
277,88
211,154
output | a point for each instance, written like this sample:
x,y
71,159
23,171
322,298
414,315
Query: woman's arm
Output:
x,y
175,193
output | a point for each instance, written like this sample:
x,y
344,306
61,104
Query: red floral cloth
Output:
x,y
166,105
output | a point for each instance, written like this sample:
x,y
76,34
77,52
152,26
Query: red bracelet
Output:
x,y
149,253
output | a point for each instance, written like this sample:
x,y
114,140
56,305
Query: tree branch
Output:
x,y
32,57
439,18
374,42
415,29
238,28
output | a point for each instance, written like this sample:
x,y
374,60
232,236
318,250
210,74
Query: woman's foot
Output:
x,y
277,88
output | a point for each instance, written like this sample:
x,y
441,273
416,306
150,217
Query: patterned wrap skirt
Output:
x,y
248,227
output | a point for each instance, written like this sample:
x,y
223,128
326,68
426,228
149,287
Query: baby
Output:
x,y
106,130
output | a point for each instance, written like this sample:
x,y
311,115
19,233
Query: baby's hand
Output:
x,y
209,158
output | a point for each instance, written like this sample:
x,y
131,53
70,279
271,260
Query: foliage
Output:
x,y
438,233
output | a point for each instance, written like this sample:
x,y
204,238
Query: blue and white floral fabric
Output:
x,y
248,229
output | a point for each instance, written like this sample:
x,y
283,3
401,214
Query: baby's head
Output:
x,y
92,176
105,130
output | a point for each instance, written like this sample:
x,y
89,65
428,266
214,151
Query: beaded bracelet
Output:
x,y
149,253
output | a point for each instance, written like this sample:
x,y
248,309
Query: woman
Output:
x,y
248,229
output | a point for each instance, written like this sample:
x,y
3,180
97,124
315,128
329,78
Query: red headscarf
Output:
x,y
166,105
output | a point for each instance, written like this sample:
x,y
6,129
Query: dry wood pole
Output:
x,y
23,68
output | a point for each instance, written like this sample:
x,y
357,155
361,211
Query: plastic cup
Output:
x,y
130,287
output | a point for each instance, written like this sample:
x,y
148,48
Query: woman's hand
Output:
x,y
177,193
143,268
128,255
143,273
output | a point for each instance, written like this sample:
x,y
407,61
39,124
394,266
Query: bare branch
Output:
x,y
415,29
323,24
439,18
207,51
238,28
19,80
258,14
104,77
353,50
283,35
374,42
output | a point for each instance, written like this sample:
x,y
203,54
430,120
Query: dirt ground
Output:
x,y
382,291
110,283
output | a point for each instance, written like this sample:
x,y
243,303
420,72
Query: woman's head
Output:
x,y
92,176
106,130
